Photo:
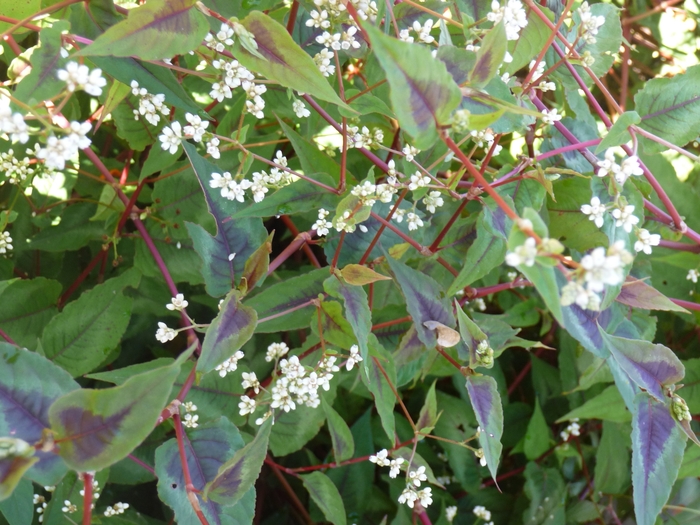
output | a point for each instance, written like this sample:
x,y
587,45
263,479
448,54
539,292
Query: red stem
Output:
x,y
189,487
7,338
87,498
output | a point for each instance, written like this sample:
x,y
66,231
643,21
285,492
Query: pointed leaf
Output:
x,y
223,255
547,492
378,384
459,62
651,366
29,385
16,457
155,30
255,269
238,475
356,311
312,159
608,406
359,275
619,133
423,97
486,401
428,414
638,294
657,454
612,468
80,337
97,428
425,300
227,333
341,437
538,435
282,59
26,306
18,508
489,57
207,447
325,494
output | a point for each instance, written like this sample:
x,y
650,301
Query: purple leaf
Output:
x,y
489,57
30,384
459,62
238,475
227,333
425,300
356,310
638,294
651,366
377,383
486,401
207,448
223,255
657,453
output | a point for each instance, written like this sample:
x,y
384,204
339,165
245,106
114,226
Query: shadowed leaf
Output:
x,y
255,269
486,401
357,310
376,382
341,437
155,30
16,457
639,294
489,57
325,494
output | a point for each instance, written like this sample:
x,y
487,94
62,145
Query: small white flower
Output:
x,y
513,15
354,358
165,334
177,303
550,116
395,466
595,211
608,165
213,148
481,512
432,201
190,420
118,508
78,76
625,218
230,365
275,351
171,137
414,222
5,242
246,406
251,381
196,127
524,254
408,496
68,507
380,458
300,109
425,496
692,275
417,476
418,180
629,167
189,406
645,240
450,513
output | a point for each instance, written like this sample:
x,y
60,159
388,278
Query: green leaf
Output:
x,y
425,300
378,384
207,448
638,294
282,59
532,39
357,310
312,159
670,109
657,452
608,406
255,269
227,333
236,477
650,366
486,253
272,302
422,98
486,401
97,428
224,254
428,417
325,494
26,306
538,435
619,133
489,57
153,31
459,62
341,437
612,463
358,275
18,11
80,337
18,509
32,383
41,83
691,385
547,492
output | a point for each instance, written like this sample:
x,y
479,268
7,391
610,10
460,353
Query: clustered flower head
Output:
x,y
5,243
381,459
513,15
484,353
598,268
590,24
79,77
481,513
572,429
622,212
680,409
164,333
621,172
354,358
117,508
190,418
230,365
177,303
151,107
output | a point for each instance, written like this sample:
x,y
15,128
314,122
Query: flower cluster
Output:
x,y
151,107
190,418
481,513
529,250
260,184
223,39
16,170
590,24
58,150
118,508
79,77
622,212
572,429
597,269
381,459
365,138
692,275
323,61
484,354
5,243
621,172
422,31
12,123
230,365
513,15
680,409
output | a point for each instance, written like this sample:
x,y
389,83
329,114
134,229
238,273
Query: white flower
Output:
x,y
550,116
213,148
418,181
78,76
251,381
608,165
418,475
380,458
246,406
625,218
275,351
414,222
692,274
319,20
423,31
354,358
524,254
196,127
433,200
230,365
410,152
165,334
177,303
408,496
481,512
190,420
630,166
171,137
425,496
595,211
405,35
450,513
573,292
300,109
281,397
189,406
118,508
590,24
5,242
323,62
513,15
395,466
68,507
322,225
601,269
646,240
292,367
